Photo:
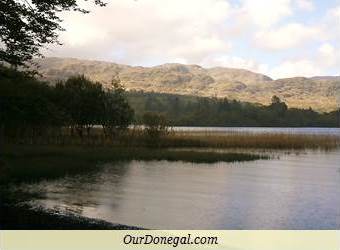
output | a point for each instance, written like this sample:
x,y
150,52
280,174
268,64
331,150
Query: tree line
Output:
x,y
181,110
29,107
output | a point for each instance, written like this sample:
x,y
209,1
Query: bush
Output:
x,y
155,124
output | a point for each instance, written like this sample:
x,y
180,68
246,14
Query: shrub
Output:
x,y
155,124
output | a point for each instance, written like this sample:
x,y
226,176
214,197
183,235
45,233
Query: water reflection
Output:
x,y
296,191
261,130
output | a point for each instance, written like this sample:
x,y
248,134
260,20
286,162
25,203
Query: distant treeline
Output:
x,y
181,110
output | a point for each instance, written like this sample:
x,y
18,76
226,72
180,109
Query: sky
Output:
x,y
279,38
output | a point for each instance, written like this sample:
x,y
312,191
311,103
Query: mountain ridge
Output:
x,y
316,92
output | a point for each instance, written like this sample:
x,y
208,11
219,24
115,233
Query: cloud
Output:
x,y
326,57
230,33
236,62
301,67
335,12
288,36
152,31
264,13
148,31
332,23
306,5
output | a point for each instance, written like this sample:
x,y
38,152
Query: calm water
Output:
x,y
261,130
296,191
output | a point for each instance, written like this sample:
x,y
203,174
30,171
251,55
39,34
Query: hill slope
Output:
x,y
317,92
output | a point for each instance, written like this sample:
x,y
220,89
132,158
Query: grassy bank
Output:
x,y
35,162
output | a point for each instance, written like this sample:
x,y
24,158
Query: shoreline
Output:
x,y
25,218
33,163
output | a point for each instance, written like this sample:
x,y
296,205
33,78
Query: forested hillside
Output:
x,y
183,110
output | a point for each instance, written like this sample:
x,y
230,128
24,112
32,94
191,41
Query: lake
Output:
x,y
294,190
261,130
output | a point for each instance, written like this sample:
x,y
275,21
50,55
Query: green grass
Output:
x,y
38,162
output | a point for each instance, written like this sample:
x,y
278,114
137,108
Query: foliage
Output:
x,y
181,110
30,107
117,113
26,104
82,100
275,100
26,26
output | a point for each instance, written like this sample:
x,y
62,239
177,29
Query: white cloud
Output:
x,y
332,23
206,32
148,31
336,12
288,36
154,31
327,49
200,48
264,13
328,55
236,62
325,57
307,5
303,67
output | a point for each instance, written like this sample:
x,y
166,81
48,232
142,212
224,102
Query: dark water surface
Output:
x,y
294,191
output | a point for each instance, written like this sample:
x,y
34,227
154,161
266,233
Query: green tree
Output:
x,y
26,104
117,114
28,25
82,99
278,109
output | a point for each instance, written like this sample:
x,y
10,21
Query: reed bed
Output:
x,y
27,162
249,140
173,139
53,156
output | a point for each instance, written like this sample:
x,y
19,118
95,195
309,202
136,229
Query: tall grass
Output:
x,y
138,138
249,140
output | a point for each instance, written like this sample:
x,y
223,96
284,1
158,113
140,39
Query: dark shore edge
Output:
x,y
15,217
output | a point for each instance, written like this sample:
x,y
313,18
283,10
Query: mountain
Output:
x,y
316,92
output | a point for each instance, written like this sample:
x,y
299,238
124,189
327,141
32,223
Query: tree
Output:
x,y
26,104
28,25
278,107
277,111
276,100
117,114
337,98
82,99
